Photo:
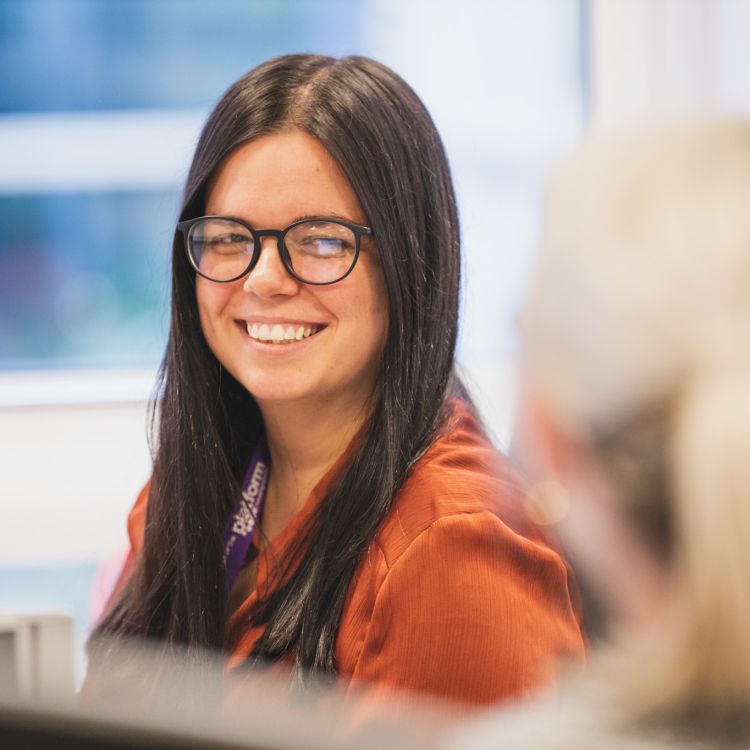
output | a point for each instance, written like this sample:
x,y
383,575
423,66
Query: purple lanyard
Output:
x,y
239,531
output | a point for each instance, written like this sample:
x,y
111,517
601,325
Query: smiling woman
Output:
x,y
377,536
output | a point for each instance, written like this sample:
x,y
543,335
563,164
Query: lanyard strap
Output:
x,y
239,531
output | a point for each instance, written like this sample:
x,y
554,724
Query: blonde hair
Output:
x,y
636,332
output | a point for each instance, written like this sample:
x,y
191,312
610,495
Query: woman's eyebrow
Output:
x,y
302,217
323,215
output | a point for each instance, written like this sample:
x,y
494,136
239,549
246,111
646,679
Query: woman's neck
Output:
x,y
304,442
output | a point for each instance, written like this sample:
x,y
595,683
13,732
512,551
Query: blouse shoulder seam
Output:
x,y
447,517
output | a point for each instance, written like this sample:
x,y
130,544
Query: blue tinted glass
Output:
x,y
120,54
84,278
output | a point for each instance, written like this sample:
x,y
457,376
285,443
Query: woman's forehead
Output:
x,y
281,177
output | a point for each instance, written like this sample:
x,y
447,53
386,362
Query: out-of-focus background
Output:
x,y
101,102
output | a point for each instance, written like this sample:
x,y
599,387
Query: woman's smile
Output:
x,y
282,332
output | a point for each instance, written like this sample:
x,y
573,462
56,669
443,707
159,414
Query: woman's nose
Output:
x,y
270,277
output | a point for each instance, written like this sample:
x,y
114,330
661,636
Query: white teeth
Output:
x,y
277,334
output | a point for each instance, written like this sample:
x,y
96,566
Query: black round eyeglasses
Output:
x,y
314,251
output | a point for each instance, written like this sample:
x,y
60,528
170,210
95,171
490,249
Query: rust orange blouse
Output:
x,y
458,596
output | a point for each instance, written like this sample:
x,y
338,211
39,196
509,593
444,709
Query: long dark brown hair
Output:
x,y
385,142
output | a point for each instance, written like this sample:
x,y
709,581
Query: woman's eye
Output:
x,y
224,243
325,247
229,239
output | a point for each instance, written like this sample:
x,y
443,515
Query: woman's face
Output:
x,y
272,182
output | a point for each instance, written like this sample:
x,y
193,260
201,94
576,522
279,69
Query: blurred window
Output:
x,y
83,55
83,278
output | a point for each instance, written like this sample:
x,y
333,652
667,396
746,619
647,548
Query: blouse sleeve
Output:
x,y
471,612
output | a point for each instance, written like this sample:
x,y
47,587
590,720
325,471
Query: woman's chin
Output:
x,y
279,390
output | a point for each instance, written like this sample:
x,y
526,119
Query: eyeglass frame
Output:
x,y
358,230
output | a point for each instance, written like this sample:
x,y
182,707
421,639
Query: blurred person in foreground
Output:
x,y
323,496
636,353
